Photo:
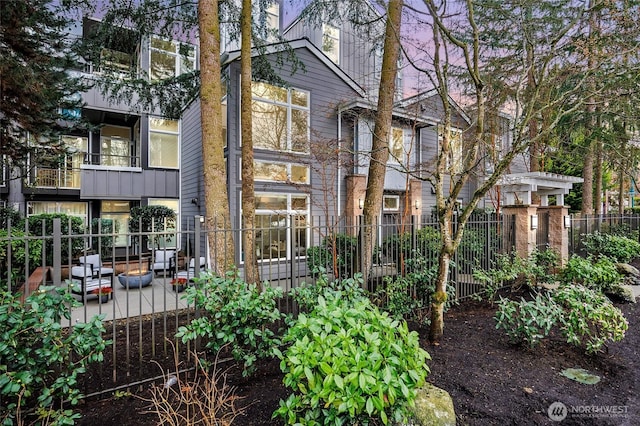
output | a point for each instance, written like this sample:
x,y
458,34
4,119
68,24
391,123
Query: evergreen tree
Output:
x,y
38,94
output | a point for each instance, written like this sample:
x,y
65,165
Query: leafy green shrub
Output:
x,y
348,364
600,274
235,314
42,225
527,322
615,247
41,360
105,228
306,295
155,219
9,215
23,251
585,317
319,260
590,319
409,297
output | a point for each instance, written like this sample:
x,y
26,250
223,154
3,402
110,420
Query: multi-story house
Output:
x,y
312,136
126,158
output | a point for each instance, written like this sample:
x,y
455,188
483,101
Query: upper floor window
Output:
x,y
281,172
396,145
331,42
170,59
163,143
455,158
280,118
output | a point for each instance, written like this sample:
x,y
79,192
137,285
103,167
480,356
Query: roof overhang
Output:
x,y
518,187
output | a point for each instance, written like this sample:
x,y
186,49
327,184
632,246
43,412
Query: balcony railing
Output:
x,y
112,160
43,177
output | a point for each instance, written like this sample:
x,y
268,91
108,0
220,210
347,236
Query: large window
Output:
x,y
170,239
118,212
280,172
163,143
280,118
282,226
331,42
115,146
70,208
170,59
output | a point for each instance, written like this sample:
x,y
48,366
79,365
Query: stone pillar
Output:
x,y
558,234
356,191
525,236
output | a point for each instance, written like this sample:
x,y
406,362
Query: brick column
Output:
x,y
356,190
558,234
525,236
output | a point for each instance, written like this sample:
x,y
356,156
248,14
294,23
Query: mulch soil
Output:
x,y
491,381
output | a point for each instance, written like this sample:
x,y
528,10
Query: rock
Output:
x,y
433,406
623,291
626,269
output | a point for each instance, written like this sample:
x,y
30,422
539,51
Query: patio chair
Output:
x,y
84,284
190,273
92,267
164,261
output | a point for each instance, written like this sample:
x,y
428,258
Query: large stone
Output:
x,y
433,407
623,291
626,269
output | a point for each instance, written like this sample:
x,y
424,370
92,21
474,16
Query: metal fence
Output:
x,y
292,250
627,225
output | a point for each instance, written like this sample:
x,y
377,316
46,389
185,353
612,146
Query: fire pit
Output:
x,y
135,279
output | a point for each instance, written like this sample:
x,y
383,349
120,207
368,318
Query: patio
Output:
x,y
155,298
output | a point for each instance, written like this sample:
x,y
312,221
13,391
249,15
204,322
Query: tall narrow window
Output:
x,y
331,42
118,212
396,145
115,146
163,143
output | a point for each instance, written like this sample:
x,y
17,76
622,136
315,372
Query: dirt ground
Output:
x,y
491,381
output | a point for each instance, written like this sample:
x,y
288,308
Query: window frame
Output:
x,y
290,214
290,107
328,31
178,57
177,134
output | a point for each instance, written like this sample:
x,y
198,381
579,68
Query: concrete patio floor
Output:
x,y
155,298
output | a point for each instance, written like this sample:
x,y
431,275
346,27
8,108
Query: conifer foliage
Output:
x,y
38,94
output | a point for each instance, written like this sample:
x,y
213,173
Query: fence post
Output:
x,y
57,252
196,244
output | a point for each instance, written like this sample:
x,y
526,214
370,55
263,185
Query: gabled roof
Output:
x,y
302,43
423,96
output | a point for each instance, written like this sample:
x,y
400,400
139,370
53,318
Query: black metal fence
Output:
x,y
627,225
292,250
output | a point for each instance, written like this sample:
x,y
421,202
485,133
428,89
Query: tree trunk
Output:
x,y
587,185
213,161
597,178
439,298
382,127
251,273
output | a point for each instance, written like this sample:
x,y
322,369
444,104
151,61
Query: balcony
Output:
x,y
58,178
112,160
